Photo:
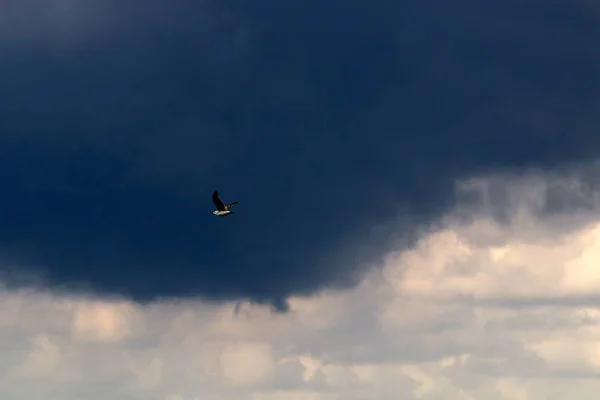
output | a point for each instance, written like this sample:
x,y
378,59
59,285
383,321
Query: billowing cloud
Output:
x,y
324,119
479,307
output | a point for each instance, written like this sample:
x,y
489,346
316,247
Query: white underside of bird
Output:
x,y
222,213
222,209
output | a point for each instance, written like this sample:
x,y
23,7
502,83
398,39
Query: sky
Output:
x,y
418,187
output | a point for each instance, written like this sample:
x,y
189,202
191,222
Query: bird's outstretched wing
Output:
x,y
218,203
228,206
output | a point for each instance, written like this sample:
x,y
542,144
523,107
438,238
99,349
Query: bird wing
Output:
x,y
218,203
228,206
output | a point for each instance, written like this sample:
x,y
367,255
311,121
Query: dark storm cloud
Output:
x,y
118,119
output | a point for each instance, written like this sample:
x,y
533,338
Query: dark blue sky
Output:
x,y
325,119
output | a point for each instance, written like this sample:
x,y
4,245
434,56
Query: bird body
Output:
x,y
220,213
222,209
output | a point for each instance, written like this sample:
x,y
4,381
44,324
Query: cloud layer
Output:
x,y
479,307
119,119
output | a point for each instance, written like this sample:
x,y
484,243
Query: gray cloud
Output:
x,y
405,330
120,118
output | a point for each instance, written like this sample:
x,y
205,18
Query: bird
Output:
x,y
222,209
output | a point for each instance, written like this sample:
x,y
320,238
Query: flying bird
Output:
x,y
222,209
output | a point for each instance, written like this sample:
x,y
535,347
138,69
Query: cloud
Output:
x,y
247,363
103,322
478,307
325,120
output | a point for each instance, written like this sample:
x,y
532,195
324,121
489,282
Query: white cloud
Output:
x,y
477,309
103,322
247,363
